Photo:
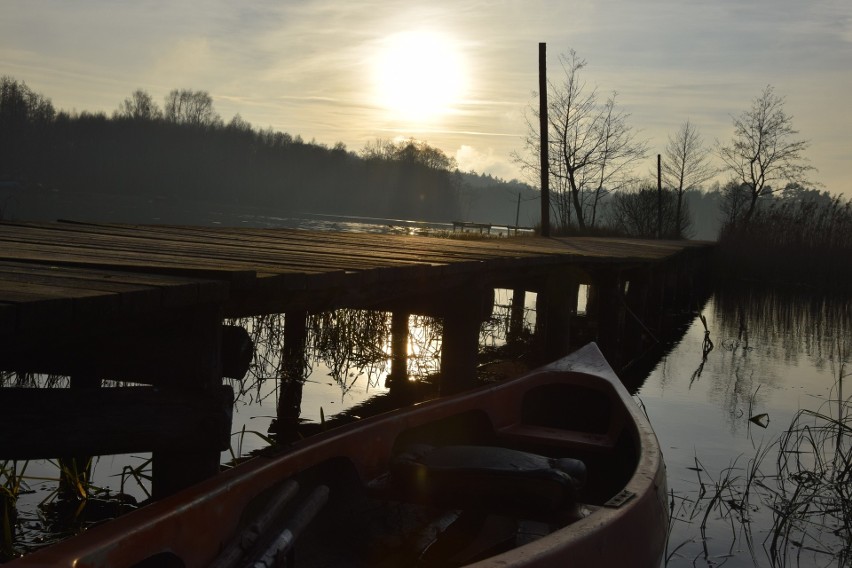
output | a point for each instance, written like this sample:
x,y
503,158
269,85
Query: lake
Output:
x,y
722,398
740,496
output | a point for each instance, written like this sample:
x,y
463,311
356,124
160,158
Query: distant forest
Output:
x,y
186,153
181,162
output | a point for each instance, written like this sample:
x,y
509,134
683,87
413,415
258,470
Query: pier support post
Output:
x,y
606,306
292,379
464,311
556,305
398,376
516,316
640,327
75,471
202,331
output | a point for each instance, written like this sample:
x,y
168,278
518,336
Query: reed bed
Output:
x,y
798,240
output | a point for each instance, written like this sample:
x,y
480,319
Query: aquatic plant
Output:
x,y
806,492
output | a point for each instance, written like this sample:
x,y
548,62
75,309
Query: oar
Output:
x,y
294,526
234,553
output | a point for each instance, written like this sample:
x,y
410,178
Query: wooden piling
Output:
x,y
292,380
556,305
464,312
202,350
516,316
398,376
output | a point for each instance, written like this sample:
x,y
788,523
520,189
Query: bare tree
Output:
x,y
686,165
139,106
592,148
635,212
190,107
765,149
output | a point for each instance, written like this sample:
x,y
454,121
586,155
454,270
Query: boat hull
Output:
x,y
622,521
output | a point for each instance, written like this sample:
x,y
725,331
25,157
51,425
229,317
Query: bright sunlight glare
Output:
x,y
419,76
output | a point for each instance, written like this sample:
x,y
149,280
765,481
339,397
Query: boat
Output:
x,y
559,467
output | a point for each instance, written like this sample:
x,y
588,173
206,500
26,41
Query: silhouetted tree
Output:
x,y
736,198
592,145
195,108
635,213
765,150
685,166
25,120
139,106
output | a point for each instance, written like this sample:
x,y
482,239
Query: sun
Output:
x,y
419,76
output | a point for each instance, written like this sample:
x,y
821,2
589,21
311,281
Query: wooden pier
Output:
x,y
146,304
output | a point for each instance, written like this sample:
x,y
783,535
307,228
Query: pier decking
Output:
x,y
54,275
146,304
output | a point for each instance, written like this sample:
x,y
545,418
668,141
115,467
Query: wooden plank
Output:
x,y
238,275
387,248
274,243
213,248
195,252
173,290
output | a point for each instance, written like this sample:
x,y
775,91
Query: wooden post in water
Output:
x,y
292,378
75,471
398,376
608,310
201,329
543,125
556,305
516,316
464,311
640,327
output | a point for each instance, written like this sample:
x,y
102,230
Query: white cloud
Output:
x,y
486,162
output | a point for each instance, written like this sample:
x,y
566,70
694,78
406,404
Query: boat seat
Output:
x,y
486,477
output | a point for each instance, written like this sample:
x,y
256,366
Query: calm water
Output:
x,y
772,354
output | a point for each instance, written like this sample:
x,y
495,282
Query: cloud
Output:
x,y
486,161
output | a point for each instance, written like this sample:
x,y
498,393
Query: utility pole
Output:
x,y
542,114
517,213
659,198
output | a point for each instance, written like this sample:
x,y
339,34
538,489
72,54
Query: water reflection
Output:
x,y
742,494
310,368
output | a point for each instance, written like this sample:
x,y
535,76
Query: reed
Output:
x,y
791,240
806,491
12,475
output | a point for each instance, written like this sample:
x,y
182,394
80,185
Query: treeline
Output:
x,y
186,151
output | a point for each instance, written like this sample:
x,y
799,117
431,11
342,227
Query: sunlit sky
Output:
x,y
458,74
